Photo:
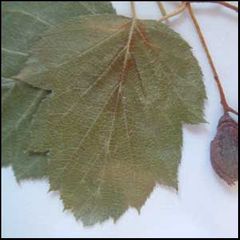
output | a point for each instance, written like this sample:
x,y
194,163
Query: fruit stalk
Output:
x,y
224,102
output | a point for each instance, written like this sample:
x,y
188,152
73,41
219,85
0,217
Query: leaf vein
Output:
x,y
14,52
30,15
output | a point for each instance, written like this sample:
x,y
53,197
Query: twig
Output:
x,y
225,4
228,5
224,103
162,8
177,11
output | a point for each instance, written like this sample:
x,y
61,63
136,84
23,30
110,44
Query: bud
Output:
x,y
224,150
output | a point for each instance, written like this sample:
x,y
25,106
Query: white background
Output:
x,y
204,207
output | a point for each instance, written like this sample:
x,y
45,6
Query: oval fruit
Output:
x,y
224,150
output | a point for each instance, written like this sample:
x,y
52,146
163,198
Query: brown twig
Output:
x,y
225,4
162,8
177,11
224,103
228,5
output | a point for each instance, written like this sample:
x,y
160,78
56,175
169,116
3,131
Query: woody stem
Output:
x,y
224,103
162,8
225,4
181,8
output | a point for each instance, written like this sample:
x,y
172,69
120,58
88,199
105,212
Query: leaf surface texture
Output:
x,y
121,90
22,25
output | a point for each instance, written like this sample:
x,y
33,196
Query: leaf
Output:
x,y
15,134
121,91
23,22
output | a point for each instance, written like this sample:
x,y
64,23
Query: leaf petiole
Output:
x,y
133,10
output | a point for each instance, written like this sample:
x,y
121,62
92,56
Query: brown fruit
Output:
x,y
224,149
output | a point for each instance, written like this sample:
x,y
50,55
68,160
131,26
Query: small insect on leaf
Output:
x,y
224,150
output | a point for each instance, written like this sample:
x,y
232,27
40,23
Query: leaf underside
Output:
x,y
22,25
120,92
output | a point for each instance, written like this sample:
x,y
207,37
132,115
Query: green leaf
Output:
x,y
121,91
22,24
15,133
